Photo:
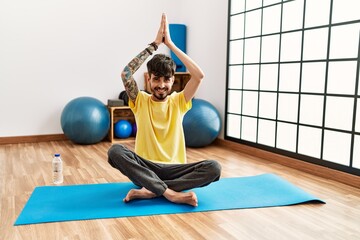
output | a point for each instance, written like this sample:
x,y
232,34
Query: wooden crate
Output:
x,y
117,114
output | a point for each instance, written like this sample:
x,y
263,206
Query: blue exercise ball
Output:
x,y
85,120
122,129
202,124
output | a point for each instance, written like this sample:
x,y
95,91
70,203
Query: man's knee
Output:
x,y
115,154
214,168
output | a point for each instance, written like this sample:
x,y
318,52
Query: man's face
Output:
x,y
160,87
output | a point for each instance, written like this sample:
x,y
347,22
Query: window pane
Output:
x,y
309,141
234,101
317,13
313,77
269,2
252,50
250,103
233,126
345,10
237,6
267,106
270,48
318,59
288,107
235,77
344,42
311,110
253,23
252,4
248,129
289,77
237,26
337,147
269,77
341,77
286,136
251,77
236,52
291,46
315,44
292,15
356,153
336,107
271,19
266,133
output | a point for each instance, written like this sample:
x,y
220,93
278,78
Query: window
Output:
x,y
293,79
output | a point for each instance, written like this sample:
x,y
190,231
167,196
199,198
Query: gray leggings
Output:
x,y
157,177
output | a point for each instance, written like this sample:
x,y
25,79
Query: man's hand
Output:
x,y
167,38
163,34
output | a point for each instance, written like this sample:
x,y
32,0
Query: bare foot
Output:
x,y
142,193
181,197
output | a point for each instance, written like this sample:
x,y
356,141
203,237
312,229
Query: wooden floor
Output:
x,y
27,165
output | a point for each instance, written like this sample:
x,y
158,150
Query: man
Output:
x,y
159,165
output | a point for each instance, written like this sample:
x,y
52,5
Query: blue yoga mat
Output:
x,y
95,201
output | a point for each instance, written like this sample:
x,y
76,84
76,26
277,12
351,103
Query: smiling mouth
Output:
x,y
160,93
161,90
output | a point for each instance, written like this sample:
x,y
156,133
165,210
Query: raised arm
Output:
x,y
127,74
196,73
129,82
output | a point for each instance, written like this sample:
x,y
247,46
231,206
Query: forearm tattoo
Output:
x,y
127,74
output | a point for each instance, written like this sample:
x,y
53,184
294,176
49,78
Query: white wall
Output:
x,y
52,51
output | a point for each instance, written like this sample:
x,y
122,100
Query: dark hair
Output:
x,y
161,65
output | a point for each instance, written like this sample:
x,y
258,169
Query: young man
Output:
x,y
158,164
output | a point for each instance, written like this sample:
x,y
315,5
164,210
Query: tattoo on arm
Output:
x,y
127,74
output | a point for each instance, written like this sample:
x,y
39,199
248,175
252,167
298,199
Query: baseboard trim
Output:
x,y
32,139
311,168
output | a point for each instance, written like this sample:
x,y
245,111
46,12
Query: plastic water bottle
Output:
x,y
57,167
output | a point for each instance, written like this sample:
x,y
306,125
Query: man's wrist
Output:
x,y
154,44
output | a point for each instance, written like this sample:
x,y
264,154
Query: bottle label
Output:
x,y
57,167
57,171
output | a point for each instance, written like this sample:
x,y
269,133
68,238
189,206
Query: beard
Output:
x,y
160,94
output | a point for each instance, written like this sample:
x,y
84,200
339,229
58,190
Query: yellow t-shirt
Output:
x,y
160,136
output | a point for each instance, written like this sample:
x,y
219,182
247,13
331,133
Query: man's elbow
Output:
x,y
200,76
124,74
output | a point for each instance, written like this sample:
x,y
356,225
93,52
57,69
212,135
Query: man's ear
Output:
x,y
148,77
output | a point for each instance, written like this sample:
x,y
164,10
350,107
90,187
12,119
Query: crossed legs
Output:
x,y
168,180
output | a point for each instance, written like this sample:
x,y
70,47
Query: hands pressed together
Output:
x,y
163,34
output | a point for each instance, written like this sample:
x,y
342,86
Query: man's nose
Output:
x,y
161,83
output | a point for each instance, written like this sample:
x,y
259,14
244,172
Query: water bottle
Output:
x,y
57,167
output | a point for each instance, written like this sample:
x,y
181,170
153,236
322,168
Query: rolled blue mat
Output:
x,y
178,36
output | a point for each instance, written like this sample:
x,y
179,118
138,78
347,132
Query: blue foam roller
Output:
x,y
178,36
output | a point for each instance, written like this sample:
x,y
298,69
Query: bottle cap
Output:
x,y
57,154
